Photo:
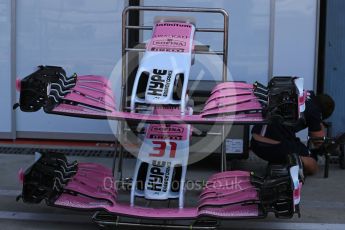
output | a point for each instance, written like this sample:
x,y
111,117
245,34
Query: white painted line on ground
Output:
x,y
248,225
243,225
45,217
323,204
6,192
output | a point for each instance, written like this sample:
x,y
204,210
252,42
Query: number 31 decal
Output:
x,y
161,147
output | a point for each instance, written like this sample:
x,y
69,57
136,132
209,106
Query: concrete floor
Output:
x,y
323,200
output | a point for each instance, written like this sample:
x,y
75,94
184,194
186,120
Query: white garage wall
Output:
x,y
248,36
83,36
5,69
79,35
295,39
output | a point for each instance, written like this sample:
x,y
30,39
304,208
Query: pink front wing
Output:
x,y
219,193
95,80
233,109
228,202
86,203
228,93
232,85
78,111
225,101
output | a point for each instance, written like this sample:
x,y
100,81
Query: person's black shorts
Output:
x,y
277,153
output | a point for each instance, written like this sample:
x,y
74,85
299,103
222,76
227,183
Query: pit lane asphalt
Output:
x,y
323,200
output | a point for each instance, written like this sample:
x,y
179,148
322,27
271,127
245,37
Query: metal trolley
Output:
x,y
126,50
104,219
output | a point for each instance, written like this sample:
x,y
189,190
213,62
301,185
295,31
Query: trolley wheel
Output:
x,y
342,157
327,162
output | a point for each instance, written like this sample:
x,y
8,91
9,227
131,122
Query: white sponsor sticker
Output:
x,y
234,146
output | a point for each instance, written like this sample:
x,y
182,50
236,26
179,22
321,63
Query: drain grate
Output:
x,y
69,152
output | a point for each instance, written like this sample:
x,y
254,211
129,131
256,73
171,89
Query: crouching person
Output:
x,y
273,142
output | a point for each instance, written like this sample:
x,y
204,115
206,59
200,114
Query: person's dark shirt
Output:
x,y
312,120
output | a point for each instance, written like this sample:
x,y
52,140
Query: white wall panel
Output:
x,y
295,39
248,37
80,35
295,42
83,36
5,68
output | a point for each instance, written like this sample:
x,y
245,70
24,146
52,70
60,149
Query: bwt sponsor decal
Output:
x,y
158,86
167,129
170,43
159,176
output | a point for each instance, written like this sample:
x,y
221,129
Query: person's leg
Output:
x,y
273,153
310,166
277,153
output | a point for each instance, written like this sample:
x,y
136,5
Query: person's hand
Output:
x,y
317,143
317,138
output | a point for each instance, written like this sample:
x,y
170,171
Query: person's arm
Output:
x,y
316,129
